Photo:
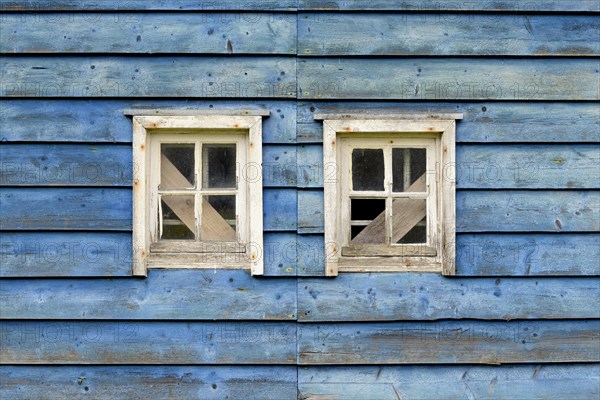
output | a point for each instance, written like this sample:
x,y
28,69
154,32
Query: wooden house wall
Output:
x,y
520,319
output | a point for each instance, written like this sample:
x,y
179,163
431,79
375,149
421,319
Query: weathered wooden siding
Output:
x,y
524,74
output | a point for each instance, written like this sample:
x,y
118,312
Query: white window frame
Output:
x,y
338,132
148,133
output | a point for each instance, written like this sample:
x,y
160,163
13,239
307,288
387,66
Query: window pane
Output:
x,y
366,209
367,169
408,169
178,217
218,166
219,218
409,221
177,166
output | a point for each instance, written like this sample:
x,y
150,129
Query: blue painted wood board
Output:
x,y
149,5
155,343
451,5
401,296
66,209
156,76
65,254
279,209
66,165
279,254
143,382
483,122
507,382
163,295
310,211
500,211
279,166
402,34
102,120
149,33
311,255
449,342
527,254
449,79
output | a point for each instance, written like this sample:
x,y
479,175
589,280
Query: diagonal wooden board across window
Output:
x,y
406,213
213,224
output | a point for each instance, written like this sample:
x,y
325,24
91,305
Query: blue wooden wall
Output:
x,y
520,320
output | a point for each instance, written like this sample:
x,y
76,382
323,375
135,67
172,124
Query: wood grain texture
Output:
x,y
65,165
398,296
310,211
145,5
279,254
150,343
449,342
65,254
483,122
447,35
102,120
527,254
164,295
449,79
133,382
535,382
451,5
157,76
279,166
143,33
502,211
65,209
311,255
279,207
528,211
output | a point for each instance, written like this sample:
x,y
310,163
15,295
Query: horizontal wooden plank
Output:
x,y
482,122
279,207
65,254
452,5
449,79
157,76
279,166
449,342
172,294
533,382
102,120
527,211
500,211
528,167
133,382
392,297
65,165
447,35
128,33
310,211
148,5
499,166
65,209
135,342
527,255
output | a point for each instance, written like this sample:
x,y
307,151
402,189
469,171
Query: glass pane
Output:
x,y
408,169
367,169
177,166
409,221
178,217
218,166
366,209
218,218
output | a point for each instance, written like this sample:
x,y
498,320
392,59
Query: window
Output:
x,y
197,197
389,193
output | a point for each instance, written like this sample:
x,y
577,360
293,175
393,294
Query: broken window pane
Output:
x,y
409,221
367,169
408,169
177,166
178,219
218,166
219,218
367,221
